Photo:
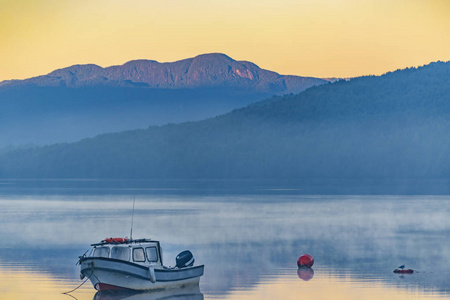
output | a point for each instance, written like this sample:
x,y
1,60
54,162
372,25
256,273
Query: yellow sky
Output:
x,y
321,38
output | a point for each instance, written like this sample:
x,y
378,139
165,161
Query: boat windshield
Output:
x,y
152,254
138,255
122,253
101,252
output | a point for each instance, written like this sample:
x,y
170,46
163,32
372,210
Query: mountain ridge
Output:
x,y
205,70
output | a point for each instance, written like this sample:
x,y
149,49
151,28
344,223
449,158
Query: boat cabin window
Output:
x,y
122,253
152,254
101,252
138,255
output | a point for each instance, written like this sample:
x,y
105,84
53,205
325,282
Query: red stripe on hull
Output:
x,y
101,287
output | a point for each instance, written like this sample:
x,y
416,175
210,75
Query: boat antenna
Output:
x,y
132,217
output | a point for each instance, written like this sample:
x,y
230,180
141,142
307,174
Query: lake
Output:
x,y
248,234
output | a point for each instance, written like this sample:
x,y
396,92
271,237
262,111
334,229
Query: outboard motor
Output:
x,y
185,259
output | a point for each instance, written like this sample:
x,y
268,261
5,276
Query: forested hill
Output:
x,y
391,126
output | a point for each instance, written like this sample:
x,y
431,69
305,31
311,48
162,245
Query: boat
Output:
x,y
121,264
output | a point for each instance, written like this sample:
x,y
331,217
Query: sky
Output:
x,y
320,38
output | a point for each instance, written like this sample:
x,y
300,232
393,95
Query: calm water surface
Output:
x,y
249,238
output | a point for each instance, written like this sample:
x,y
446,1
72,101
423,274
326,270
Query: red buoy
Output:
x,y
305,260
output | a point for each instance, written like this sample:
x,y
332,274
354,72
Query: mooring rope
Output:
x,y
79,285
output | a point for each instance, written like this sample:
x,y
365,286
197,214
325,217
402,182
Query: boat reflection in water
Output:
x,y
187,293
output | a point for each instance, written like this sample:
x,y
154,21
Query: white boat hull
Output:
x,y
113,274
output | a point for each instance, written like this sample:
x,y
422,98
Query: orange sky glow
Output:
x,y
320,38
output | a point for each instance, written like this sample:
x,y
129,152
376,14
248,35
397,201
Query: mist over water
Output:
x,y
249,236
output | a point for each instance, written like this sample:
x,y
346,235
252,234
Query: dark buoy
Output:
x,y
305,260
403,271
305,273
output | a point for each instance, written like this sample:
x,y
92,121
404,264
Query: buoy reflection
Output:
x,y
305,273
